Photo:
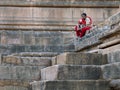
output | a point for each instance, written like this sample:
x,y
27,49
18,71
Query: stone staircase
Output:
x,y
34,33
54,71
31,67
18,70
79,71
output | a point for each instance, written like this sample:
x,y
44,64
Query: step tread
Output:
x,y
36,54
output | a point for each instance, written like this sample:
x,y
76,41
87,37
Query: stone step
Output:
x,y
71,85
36,54
111,71
26,73
31,61
114,57
14,85
13,48
80,59
71,72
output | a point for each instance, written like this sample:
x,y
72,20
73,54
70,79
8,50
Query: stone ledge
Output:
x,y
14,83
110,43
88,4
110,49
36,28
26,61
9,49
36,54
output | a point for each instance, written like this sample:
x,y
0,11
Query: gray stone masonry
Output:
x,y
80,59
31,61
25,73
71,72
71,85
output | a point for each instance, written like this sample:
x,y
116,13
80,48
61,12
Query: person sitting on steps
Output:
x,y
84,24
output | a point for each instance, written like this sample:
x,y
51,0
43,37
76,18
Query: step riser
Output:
x,y
27,73
111,71
14,85
64,72
71,85
80,72
31,61
80,59
114,57
10,49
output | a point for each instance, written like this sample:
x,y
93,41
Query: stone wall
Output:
x,y
34,41
52,16
37,13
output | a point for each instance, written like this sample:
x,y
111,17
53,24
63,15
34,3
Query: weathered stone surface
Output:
x,y
66,3
110,43
114,19
31,61
70,72
26,73
34,41
111,49
111,71
114,56
33,17
14,88
54,60
115,84
112,33
36,54
9,49
11,59
14,85
80,59
71,85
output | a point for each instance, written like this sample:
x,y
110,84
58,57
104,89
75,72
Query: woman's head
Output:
x,y
84,15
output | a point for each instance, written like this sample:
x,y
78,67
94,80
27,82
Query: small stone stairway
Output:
x,y
80,71
18,70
